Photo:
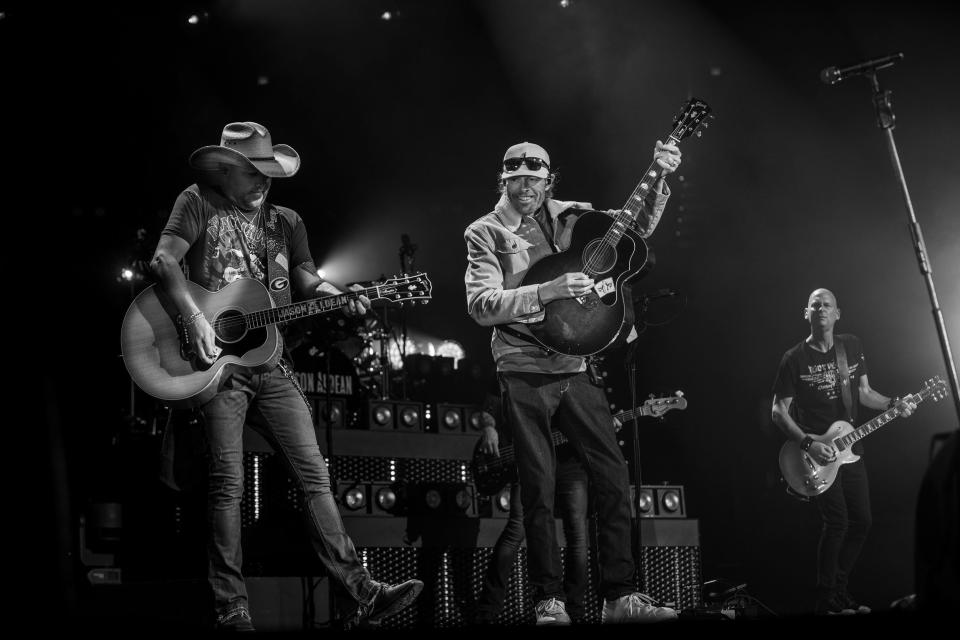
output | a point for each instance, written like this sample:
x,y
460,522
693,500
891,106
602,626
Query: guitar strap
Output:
x,y
845,391
278,276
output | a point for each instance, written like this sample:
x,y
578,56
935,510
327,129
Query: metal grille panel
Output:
x,y
376,469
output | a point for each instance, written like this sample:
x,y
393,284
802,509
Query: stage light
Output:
x,y
383,415
193,19
670,501
463,499
452,420
410,416
433,499
126,274
386,498
386,16
354,498
451,349
646,501
394,355
263,81
564,4
502,500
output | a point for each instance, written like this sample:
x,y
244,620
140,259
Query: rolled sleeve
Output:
x,y
652,211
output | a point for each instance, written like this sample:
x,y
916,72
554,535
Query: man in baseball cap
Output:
x,y
544,390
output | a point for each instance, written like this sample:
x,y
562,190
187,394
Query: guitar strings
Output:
x,y
244,319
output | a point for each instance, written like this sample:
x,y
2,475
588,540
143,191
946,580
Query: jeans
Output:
x,y
532,403
273,406
845,512
572,489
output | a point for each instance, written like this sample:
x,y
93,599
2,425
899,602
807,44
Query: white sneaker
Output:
x,y
635,607
552,612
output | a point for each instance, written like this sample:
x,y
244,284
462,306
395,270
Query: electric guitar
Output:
x,y
808,478
491,472
244,317
608,250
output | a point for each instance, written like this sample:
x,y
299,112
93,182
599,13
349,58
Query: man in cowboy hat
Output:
x,y
542,390
223,228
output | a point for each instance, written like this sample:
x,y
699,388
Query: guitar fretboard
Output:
x,y
307,308
867,428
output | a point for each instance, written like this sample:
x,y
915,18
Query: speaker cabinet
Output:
x,y
659,501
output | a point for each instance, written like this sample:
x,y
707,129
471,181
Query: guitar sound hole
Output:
x,y
598,257
230,326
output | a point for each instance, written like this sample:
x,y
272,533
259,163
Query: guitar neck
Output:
x,y
869,427
623,416
307,308
631,208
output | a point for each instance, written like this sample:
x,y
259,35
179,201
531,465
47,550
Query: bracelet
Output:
x,y
805,443
892,403
193,318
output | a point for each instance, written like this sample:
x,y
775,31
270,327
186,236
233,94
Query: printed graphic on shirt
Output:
x,y
228,260
825,378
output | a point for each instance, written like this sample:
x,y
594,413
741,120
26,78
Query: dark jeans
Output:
x,y
845,512
274,407
532,403
572,487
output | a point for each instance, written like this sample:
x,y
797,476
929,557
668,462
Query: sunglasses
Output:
x,y
534,164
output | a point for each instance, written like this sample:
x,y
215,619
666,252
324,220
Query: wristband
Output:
x,y
193,318
892,403
805,443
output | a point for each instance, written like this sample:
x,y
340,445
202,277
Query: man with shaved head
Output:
x,y
808,398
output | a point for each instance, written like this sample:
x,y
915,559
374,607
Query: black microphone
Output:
x,y
833,75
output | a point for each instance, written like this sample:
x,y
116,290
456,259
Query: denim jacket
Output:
x,y
497,261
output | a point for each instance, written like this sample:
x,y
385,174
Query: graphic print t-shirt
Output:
x,y
812,379
224,246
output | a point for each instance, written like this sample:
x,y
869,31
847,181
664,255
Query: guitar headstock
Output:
x,y
659,406
406,288
691,118
934,388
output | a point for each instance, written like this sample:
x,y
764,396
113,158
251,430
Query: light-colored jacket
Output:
x,y
497,261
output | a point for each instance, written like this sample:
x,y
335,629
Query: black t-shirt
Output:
x,y
812,379
224,246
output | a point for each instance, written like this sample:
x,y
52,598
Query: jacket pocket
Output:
x,y
513,254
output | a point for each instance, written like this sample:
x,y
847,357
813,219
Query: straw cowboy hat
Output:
x,y
248,143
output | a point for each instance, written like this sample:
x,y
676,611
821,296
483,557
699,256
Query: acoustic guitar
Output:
x,y
607,249
243,316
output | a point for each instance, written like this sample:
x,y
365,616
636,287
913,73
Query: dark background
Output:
x,y
401,124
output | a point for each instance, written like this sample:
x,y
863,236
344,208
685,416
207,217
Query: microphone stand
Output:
x,y
631,366
885,120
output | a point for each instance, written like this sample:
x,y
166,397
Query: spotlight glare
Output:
x,y
386,15
564,4
127,274
322,274
193,19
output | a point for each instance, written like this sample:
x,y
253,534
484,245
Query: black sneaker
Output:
x,y
236,620
387,600
849,603
833,606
